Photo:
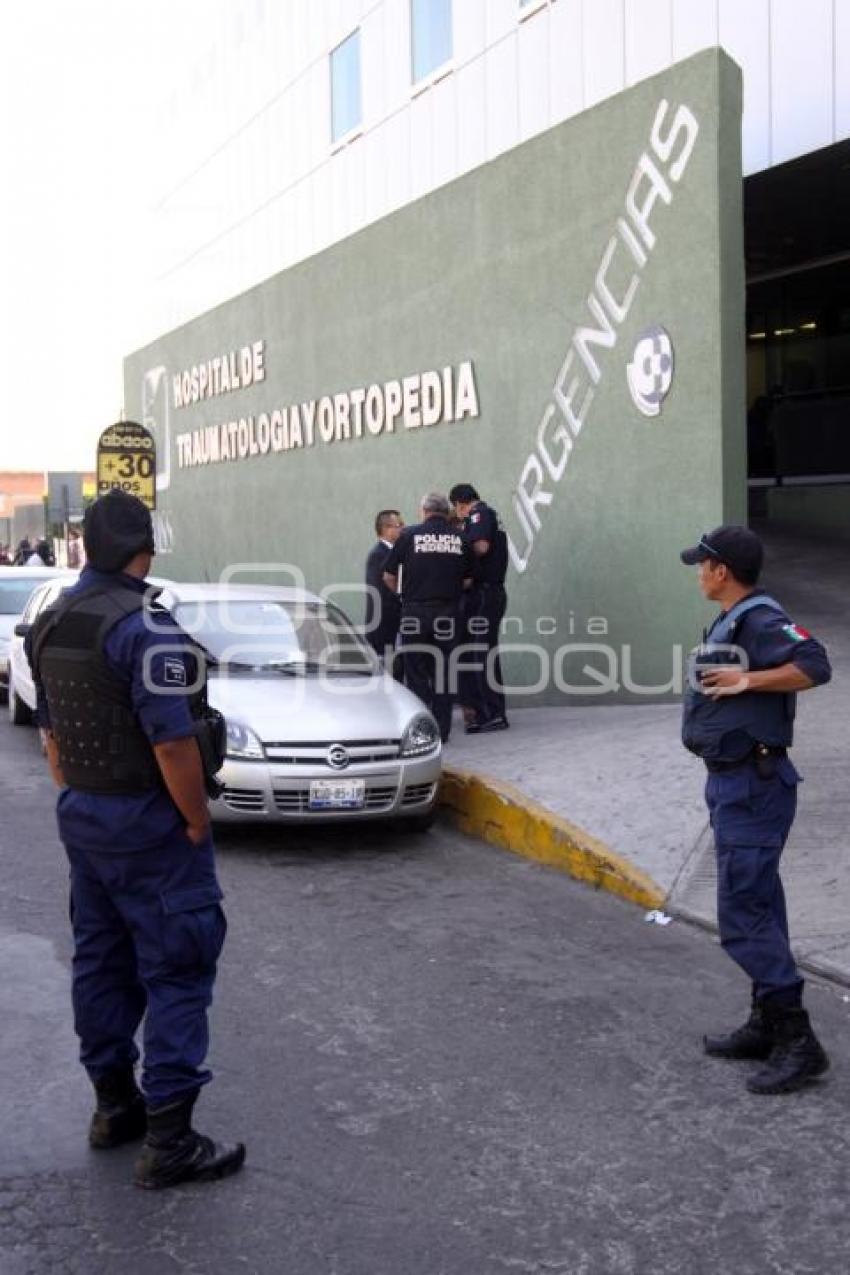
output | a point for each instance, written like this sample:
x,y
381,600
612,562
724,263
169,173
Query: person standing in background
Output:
x,y
437,563
481,695
383,606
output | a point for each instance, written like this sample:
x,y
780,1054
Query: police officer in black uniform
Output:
x,y
437,563
481,696
383,607
738,717
134,747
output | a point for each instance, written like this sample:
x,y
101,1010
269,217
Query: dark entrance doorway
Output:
x,y
797,238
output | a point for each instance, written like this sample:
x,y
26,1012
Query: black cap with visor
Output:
x,y
738,547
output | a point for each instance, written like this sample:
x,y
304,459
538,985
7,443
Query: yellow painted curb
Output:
x,y
500,813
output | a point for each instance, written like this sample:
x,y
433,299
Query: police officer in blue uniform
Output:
x,y
481,695
133,746
436,560
739,717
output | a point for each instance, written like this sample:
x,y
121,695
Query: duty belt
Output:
x,y
756,753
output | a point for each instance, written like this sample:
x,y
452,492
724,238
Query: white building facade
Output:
x,y
301,121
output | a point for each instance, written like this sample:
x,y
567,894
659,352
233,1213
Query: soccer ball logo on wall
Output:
x,y
650,373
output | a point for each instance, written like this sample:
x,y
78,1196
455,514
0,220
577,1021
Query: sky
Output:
x,y
81,82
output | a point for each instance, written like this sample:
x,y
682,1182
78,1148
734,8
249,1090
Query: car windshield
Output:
x,y
276,636
15,592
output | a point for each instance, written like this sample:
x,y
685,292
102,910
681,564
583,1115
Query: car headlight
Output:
x,y
242,742
421,736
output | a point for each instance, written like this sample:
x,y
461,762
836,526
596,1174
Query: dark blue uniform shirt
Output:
x,y
139,821
482,523
436,560
772,639
725,729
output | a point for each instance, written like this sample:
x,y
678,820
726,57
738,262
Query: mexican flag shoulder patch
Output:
x,y
796,633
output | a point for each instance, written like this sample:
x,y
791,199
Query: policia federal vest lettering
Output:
x,y
726,729
102,748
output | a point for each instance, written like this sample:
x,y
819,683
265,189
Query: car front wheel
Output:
x,y
19,714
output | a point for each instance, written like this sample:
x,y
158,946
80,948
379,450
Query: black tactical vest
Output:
x,y
102,747
726,729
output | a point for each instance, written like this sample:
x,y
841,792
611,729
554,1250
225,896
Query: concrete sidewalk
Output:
x,y
622,776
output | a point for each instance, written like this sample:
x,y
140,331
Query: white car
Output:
x,y
24,591
316,730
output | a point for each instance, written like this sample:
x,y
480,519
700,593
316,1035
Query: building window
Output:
x,y
430,36
346,111
527,7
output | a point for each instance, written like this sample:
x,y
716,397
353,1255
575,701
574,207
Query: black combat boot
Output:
x,y
174,1152
797,1055
120,1113
753,1040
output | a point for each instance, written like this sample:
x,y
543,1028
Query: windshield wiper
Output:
x,y
290,668
241,666
316,666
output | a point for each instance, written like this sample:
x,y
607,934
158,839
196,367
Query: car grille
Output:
x,y
310,753
415,794
243,799
297,800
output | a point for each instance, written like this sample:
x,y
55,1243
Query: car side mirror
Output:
x,y
21,630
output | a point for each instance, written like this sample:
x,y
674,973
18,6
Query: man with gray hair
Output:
x,y
437,561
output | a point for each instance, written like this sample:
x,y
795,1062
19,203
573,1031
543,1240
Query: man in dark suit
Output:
x,y
383,607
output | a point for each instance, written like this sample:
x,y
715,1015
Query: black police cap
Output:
x,y
115,528
738,547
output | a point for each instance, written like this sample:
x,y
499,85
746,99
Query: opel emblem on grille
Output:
x,y
337,756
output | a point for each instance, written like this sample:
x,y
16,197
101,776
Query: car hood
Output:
x,y
307,709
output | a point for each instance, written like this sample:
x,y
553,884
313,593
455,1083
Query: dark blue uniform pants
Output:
x,y
383,642
751,818
428,636
148,930
483,609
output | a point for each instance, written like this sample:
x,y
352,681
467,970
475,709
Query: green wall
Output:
x,y
496,268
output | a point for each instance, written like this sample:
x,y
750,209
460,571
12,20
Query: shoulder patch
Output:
x,y
795,633
174,671
474,517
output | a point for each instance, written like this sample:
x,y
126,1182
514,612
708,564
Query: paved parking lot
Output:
x,y
445,1060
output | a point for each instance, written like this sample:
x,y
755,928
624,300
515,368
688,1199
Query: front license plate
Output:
x,y
337,794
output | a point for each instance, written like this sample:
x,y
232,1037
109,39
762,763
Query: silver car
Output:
x,y
316,730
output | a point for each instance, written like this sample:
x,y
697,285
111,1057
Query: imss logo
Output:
x,y
650,373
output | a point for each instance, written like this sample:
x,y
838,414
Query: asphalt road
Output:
x,y
445,1060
